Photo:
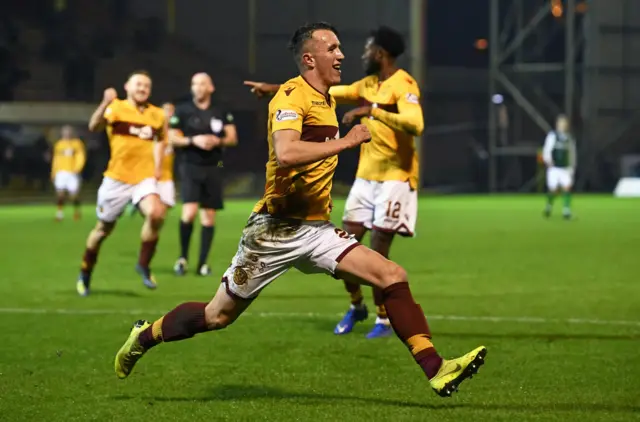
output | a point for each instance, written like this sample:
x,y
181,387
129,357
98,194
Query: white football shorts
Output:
x,y
167,192
389,206
67,181
558,177
113,196
270,246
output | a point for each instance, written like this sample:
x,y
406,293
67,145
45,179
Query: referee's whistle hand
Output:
x,y
206,142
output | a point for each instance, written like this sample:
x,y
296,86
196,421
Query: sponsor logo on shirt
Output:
x,y
412,99
144,132
284,115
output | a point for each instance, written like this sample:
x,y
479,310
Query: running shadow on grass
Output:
x,y
256,392
115,293
327,327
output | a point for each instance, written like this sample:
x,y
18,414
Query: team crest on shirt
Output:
x,y
240,276
216,125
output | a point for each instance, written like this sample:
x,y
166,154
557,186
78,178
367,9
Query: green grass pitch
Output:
x,y
557,304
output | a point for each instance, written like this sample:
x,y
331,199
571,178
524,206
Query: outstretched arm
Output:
x,y
409,117
261,89
99,117
344,94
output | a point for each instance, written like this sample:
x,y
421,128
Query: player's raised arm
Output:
x,y
409,117
261,89
98,118
291,151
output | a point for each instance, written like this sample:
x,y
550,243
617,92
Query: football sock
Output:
x,y
410,325
89,260
206,239
550,197
566,199
185,238
60,203
355,292
147,250
183,322
378,300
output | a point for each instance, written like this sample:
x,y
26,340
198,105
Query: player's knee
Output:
x,y
101,231
390,273
217,319
157,214
207,217
189,212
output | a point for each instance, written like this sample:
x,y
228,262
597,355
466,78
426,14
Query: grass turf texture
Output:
x,y
491,270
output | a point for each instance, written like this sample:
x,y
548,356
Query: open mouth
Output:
x,y
337,67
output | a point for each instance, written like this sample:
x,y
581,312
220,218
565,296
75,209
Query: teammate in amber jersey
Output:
x,y
384,197
290,226
68,161
166,186
137,138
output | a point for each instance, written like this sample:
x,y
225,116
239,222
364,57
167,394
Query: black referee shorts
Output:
x,y
202,184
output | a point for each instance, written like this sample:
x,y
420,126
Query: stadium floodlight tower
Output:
x,y
534,46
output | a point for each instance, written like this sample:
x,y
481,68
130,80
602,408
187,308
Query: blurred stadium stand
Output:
x,y
61,54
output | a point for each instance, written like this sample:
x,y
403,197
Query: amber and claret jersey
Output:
x,y
68,155
131,133
395,120
303,192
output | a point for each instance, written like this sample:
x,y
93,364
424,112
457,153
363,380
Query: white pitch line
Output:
x,y
494,319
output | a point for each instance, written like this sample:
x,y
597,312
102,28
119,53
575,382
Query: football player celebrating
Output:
x,y
137,137
290,227
384,197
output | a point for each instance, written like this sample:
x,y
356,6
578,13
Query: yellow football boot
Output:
x,y
130,351
453,372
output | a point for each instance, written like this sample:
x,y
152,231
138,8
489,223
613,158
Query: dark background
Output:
x,y
70,51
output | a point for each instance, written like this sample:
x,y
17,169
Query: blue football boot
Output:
x,y
353,315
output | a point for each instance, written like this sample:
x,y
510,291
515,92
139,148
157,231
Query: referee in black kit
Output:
x,y
201,130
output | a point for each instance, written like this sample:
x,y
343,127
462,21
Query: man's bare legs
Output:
x,y
361,266
154,212
381,243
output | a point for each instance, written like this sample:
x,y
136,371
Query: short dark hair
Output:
x,y
389,40
139,72
304,34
